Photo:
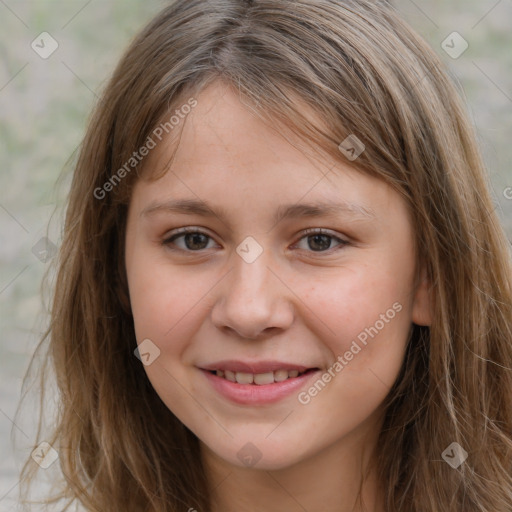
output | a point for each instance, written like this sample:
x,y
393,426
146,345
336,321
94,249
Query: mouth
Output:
x,y
257,383
260,379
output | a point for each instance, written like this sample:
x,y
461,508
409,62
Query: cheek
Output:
x,y
364,316
166,308
363,320
166,301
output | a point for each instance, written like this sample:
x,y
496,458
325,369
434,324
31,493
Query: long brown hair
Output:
x,y
363,71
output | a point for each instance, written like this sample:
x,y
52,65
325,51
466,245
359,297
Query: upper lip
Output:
x,y
254,367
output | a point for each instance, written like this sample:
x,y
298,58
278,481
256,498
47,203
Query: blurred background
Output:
x,y
55,58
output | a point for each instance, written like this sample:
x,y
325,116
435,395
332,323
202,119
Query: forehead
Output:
x,y
225,156
223,125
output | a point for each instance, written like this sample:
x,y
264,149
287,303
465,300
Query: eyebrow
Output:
x,y
288,211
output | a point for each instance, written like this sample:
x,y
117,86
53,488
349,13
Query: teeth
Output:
x,y
244,378
259,378
280,375
264,378
229,376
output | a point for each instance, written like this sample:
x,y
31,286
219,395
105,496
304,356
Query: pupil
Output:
x,y
194,237
326,241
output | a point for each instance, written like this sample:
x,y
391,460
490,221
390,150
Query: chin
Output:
x,y
266,458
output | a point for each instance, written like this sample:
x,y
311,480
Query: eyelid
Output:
x,y
322,231
183,231
188,229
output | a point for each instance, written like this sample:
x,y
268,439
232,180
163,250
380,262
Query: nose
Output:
x,y
253,301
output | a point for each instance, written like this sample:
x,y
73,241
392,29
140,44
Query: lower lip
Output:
x,y
255,394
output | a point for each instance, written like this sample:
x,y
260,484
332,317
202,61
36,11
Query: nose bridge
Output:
x,y
251,278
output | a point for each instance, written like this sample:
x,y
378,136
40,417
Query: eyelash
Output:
x,y
308,232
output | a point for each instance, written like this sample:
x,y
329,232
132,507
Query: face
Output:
x,y
297,274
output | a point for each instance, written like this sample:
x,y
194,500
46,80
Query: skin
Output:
x,y
299,302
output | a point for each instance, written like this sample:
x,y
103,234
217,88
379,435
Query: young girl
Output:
x,y
282,284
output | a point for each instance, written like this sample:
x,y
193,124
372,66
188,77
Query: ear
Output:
x,y
423,304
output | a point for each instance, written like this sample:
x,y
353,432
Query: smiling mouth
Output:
x,y
260,379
